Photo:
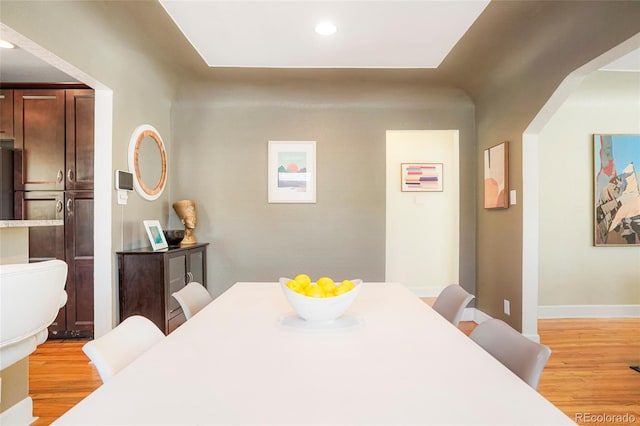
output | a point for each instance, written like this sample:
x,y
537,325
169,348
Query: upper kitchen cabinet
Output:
x,y
79,127
6,114
39,129
53,132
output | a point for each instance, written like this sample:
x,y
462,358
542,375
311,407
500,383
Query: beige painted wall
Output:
x,y
224,169
422,228
573,271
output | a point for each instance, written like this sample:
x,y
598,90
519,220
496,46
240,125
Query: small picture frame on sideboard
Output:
x,y
155,234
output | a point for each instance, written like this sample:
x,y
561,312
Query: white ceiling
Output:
x,y
19,66
628,62
280,34
267,33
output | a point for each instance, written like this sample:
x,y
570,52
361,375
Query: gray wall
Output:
x,y
223,127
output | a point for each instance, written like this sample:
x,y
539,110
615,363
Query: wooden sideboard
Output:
x,y
147,279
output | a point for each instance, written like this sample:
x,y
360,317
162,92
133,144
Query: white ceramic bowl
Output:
x,y
323,309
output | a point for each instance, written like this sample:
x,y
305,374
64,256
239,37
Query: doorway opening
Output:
x,y
104,290
423,225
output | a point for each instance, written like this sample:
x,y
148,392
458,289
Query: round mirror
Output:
x,y
148,162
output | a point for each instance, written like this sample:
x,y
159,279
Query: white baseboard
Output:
x,y
19,414
588,311
477,315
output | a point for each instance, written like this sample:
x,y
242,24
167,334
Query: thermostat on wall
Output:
x,y
124,180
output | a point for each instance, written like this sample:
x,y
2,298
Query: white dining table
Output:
x,y
248,359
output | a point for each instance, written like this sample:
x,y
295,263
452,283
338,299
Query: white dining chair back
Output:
x,y
31,295
522,356
115,350
451,303
192,298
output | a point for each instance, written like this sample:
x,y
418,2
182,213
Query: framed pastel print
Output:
x,y
155,234
616,206
292,172
496,177
421,177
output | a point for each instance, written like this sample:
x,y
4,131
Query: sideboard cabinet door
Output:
x,y
147,279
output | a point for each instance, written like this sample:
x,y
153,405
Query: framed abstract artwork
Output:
x,y
496,177
616,193
292,172
421,177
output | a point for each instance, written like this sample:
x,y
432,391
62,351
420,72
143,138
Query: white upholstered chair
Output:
x,y
451,303
31,294
524,357
115,350
192,298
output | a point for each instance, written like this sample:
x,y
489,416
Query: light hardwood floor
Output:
x,y
588,374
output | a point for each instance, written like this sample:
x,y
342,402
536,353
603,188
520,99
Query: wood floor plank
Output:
x,y
60,376
588,373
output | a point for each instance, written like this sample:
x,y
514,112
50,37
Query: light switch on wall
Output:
x,y
507,307
512,197
123,196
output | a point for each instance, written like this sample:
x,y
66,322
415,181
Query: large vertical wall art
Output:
x,y
496,177
617,197
292,172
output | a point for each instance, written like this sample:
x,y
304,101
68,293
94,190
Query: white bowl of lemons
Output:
x,y
321,301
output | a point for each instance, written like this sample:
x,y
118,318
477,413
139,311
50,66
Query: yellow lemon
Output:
x,y
344,287
294,285
327,285
314,291
325,280
303,279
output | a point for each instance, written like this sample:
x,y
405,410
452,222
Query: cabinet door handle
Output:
x,y
70,175
189,277
70,205
59,206
36,97
60,176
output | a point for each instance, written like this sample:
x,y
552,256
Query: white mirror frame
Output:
x,y
137,137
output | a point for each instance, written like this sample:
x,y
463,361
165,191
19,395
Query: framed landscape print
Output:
x,y
421,177
292,172
496,177
616,194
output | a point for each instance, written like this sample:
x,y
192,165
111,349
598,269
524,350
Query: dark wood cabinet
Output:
x,y
39,128
53,179
78,242
147,279
6,114
80,114
73,243
45,242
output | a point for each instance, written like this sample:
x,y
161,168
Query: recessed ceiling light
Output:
x,y
6,45
325,28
